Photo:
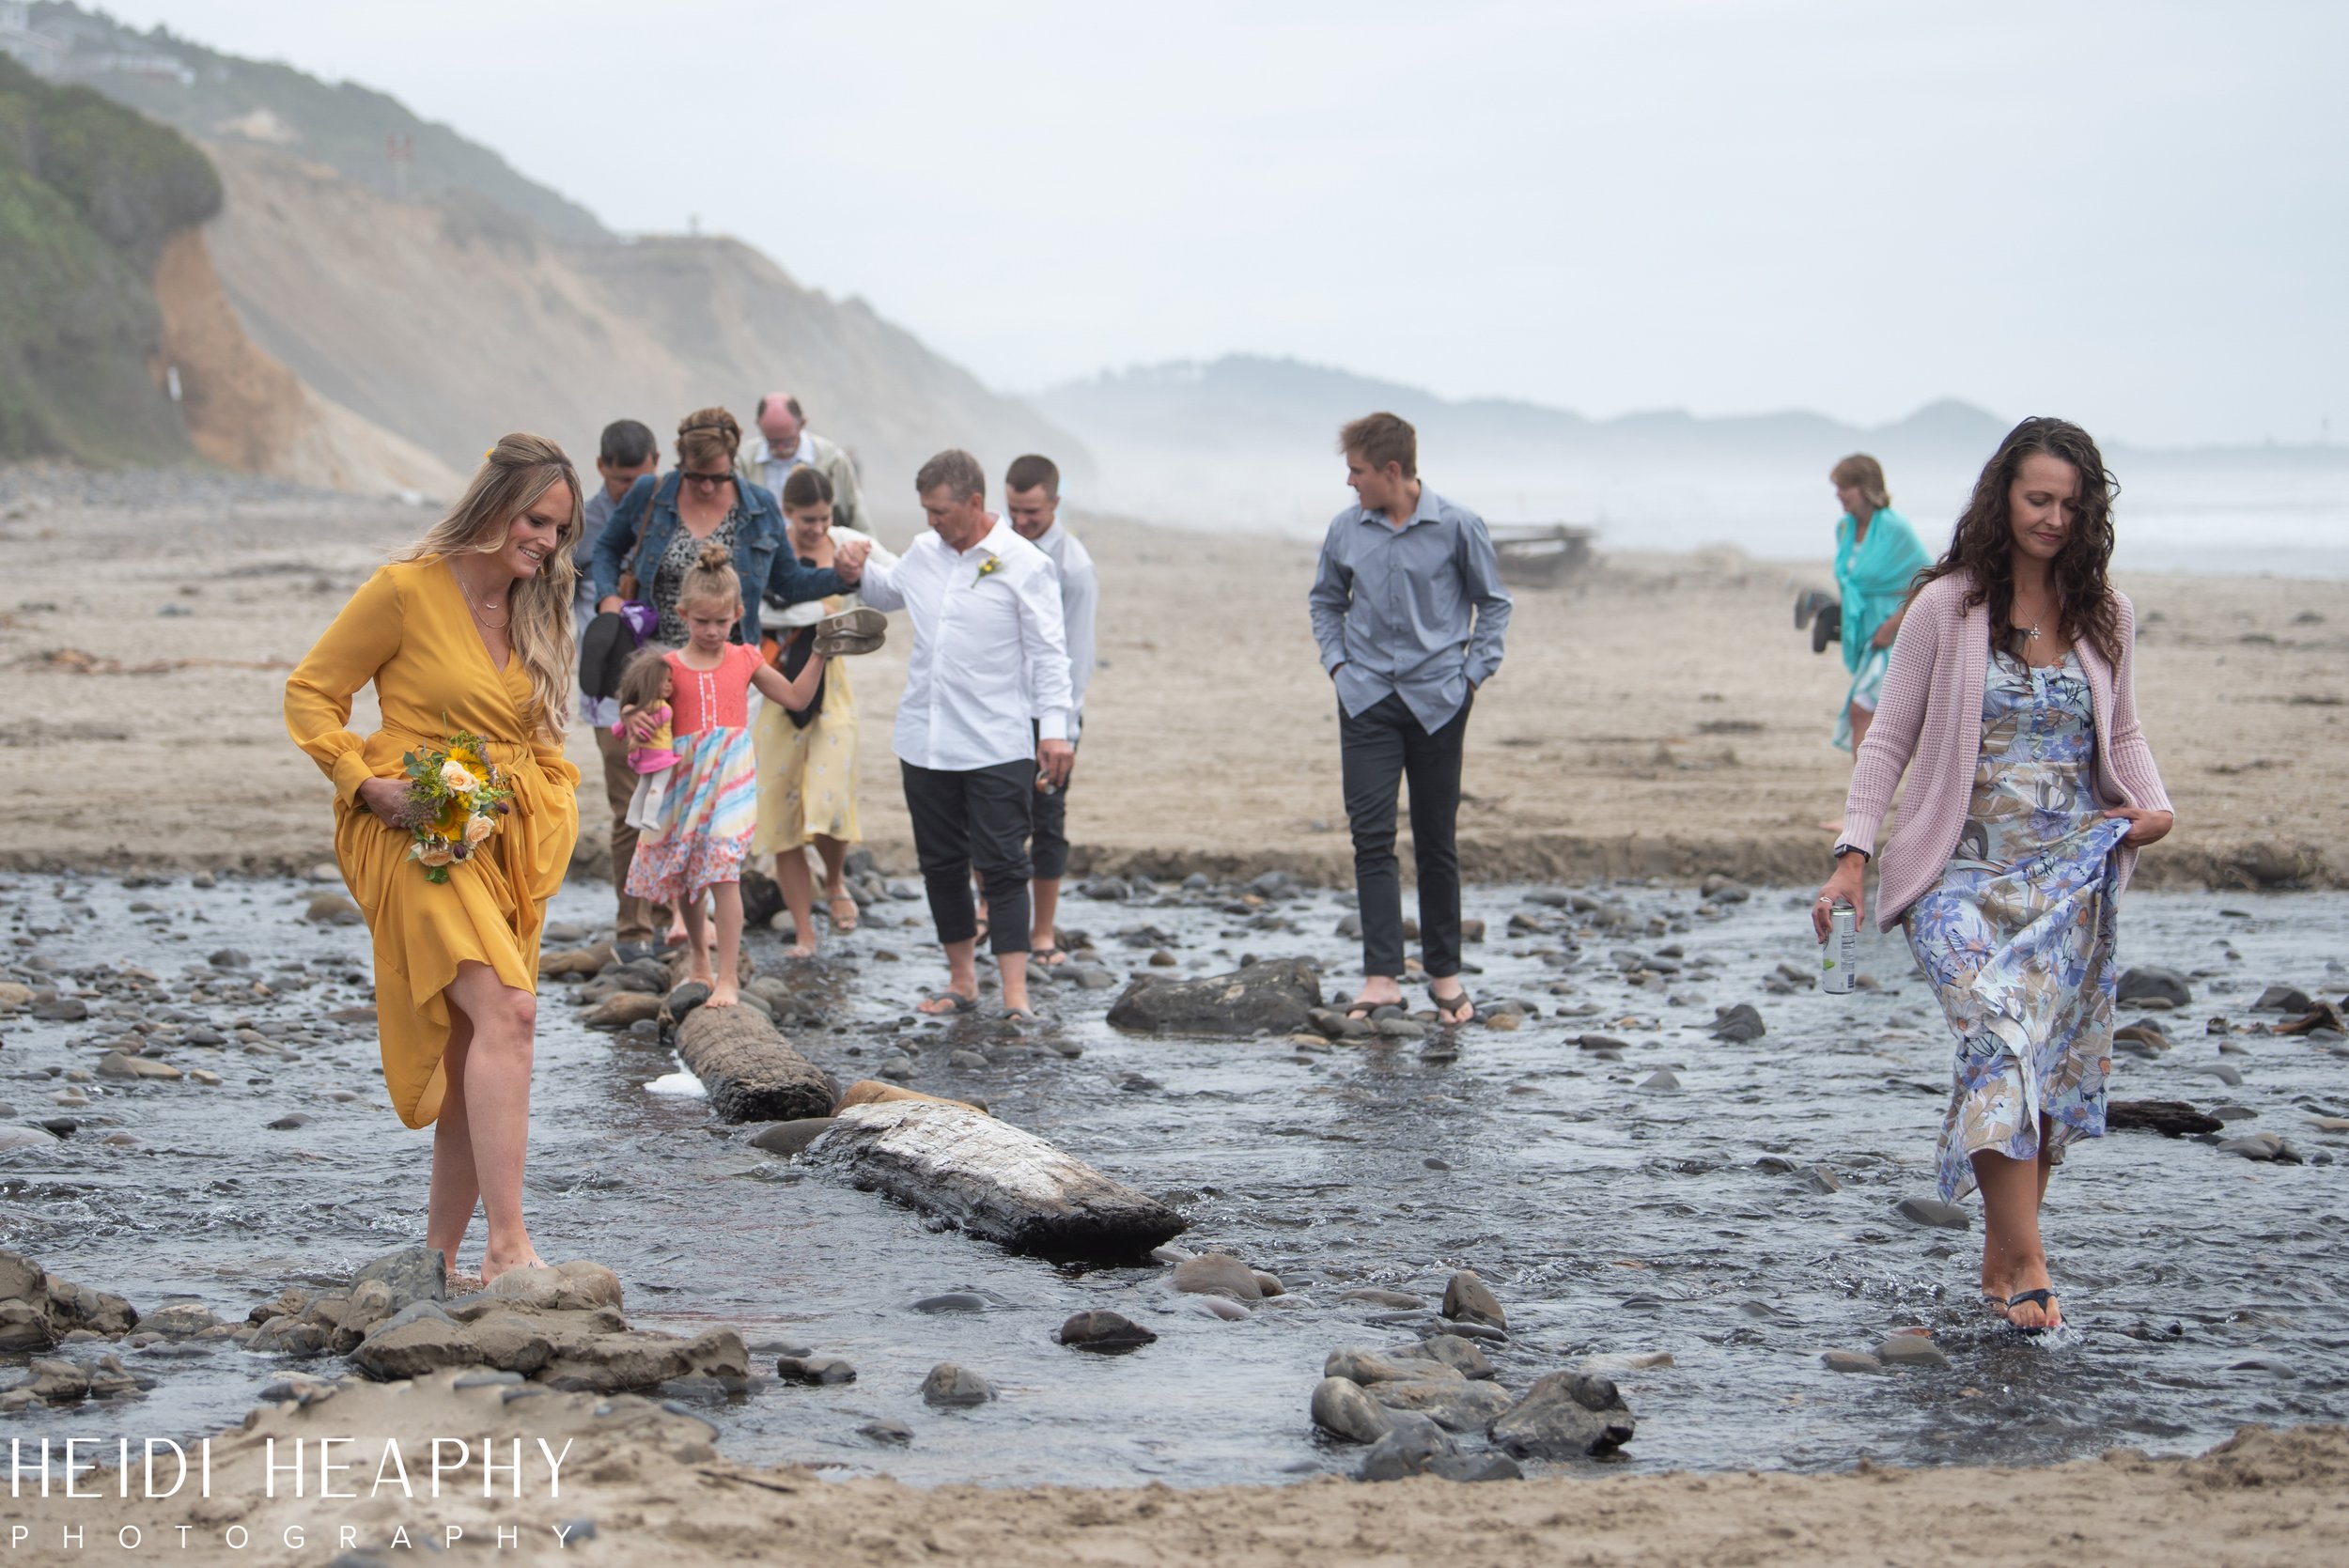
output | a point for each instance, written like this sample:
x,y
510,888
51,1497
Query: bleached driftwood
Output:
x,y
751,1073
993,1180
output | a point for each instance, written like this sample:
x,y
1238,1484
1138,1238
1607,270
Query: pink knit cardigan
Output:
x,y
1928,724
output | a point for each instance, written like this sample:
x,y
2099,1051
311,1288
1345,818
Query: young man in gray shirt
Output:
x,y
1410,613
1032,506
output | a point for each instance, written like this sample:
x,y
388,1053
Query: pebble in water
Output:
x,y
951,1387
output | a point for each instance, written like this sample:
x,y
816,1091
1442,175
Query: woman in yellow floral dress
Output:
x,y
807,760
467,632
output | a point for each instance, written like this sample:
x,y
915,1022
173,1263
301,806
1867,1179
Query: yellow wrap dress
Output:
x,y
407,630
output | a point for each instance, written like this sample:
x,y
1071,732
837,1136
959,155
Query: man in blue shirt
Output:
x,y
1410,612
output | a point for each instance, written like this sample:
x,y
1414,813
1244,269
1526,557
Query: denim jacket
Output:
x,y
761,556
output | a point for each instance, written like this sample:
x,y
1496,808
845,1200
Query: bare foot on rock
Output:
x,y
723,995
525,1256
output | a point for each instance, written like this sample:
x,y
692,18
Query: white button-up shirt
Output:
x,y
1080,598
988,649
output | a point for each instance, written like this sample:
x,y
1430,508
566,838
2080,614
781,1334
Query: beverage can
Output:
x,y
1838,956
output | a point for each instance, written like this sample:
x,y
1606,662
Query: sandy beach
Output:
x,y
649,1485
1658,716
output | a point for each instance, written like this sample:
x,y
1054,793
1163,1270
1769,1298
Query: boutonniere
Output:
x,y
993,564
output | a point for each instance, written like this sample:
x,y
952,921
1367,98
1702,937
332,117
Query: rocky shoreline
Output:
x,y
528,1417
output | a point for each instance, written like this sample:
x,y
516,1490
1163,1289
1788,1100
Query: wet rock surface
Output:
x,y
1272,997
1675,1243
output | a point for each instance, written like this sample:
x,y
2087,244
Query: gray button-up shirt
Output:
x,y
1080,598
1417,610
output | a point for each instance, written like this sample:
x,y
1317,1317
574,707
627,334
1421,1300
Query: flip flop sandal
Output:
x,y
1022,1015
2047,1302
863,630
1048,958
1454,1010
958,1005
832,912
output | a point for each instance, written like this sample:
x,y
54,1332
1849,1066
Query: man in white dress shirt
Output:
x,y
1032,504
985,714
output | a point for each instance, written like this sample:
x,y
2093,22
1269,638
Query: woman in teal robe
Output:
x,y
1876,556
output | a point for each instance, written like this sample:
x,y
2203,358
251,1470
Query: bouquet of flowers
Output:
x,y
454,799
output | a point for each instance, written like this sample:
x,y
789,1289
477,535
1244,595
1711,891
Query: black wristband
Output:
x,y
1844,850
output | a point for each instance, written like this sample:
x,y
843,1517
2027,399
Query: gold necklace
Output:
x,y
476,610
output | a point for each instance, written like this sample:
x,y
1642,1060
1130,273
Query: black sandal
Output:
x,y
1454,1010
2045,1301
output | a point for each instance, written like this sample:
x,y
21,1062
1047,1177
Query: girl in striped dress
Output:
x,y
713,789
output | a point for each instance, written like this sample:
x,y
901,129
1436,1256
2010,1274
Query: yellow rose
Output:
x,y
436,854
456,779
480,828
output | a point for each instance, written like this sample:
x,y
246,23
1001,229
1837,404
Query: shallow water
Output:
x,y
2206,1290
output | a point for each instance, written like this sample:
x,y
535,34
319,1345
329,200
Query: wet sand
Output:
x,y
1659,716
656,1493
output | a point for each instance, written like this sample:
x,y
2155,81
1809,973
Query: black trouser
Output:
x,y
1378,749
979,820
1048,823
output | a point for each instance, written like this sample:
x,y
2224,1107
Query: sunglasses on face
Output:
x,y
707,481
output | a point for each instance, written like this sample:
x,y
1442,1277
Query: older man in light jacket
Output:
x,y
784,442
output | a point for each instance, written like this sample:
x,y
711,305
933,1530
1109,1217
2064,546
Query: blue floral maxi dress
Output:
x,y
2017,939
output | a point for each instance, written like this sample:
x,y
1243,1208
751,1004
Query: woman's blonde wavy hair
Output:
x,y
518,471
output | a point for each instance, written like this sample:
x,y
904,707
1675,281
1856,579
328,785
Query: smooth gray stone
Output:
x,y
1932,1211
951,1387
1468,1299
1566,1415
1911,1350
1341,1409
789,1138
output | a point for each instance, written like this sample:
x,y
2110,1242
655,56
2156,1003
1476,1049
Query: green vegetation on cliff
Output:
x,y
89,193
340,124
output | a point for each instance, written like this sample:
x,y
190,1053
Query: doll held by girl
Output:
x,y
645,687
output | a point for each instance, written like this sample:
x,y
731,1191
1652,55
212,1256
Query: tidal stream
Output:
x,y
1612,1221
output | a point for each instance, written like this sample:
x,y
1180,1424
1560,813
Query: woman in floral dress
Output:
x,y
2010,707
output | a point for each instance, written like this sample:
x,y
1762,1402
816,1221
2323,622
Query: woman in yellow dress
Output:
x,y
469,630
807,760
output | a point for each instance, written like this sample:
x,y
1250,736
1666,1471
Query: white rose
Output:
x,y
437,854
480,828
457,780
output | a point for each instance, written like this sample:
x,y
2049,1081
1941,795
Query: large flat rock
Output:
x,y
1274,996
992,1179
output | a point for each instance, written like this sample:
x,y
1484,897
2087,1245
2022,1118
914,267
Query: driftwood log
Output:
x,y
751,1073
995,1181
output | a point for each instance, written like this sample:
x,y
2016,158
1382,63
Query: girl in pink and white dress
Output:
x,y
712,796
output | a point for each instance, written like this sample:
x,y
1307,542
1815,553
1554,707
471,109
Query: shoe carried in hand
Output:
x,y
852,631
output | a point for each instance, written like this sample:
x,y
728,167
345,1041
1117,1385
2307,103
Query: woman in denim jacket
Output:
x,y
704,500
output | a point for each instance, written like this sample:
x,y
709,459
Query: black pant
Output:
x,y
1378,749
976,818
1048,821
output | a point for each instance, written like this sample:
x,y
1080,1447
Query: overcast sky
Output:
x,y
2132,213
